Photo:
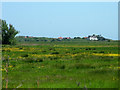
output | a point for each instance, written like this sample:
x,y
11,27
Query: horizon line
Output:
x,y
62,36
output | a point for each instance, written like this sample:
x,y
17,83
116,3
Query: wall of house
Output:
x,y
92,38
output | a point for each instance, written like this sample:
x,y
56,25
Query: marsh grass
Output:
x,y
61,66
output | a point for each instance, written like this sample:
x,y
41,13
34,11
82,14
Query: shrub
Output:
x,y
101,52
25,55
55,53
88,49
34,53
20,48
62,67
94,52
39,60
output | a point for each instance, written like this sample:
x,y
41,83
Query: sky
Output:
x,y
65,19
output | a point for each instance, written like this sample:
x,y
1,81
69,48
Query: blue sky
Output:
x,y
66,19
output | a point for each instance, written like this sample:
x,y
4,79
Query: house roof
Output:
x,y
85,37
60,37
93,36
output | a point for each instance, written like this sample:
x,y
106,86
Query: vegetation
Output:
x,y
75,40
40,62
61,64
8,33
100,38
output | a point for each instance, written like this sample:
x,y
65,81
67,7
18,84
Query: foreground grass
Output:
x,y
61,66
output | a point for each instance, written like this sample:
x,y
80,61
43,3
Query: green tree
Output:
x,y
8,33
0,32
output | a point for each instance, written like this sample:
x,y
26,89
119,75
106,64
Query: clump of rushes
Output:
x,y
25,55
20,48
101,52
55,53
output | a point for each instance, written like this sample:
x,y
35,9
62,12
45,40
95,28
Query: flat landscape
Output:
x,y
60,44
61,64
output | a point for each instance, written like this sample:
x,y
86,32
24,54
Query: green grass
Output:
x,y
61,65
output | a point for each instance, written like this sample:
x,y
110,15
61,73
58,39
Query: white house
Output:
x,y
93,38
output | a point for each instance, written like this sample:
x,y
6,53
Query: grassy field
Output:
x,y
90,64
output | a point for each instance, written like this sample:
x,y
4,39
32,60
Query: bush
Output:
x,y
25,55
55,53
101,52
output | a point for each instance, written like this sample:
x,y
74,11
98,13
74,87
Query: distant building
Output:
x,y
85,37
66,38
60,38
28,36
94,38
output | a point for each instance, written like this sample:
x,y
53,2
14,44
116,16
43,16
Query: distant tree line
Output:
x,y
46,39
77,37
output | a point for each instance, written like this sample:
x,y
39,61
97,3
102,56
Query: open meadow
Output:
x,y
64,64
60,44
